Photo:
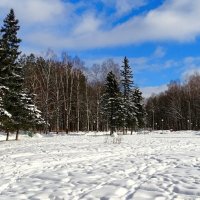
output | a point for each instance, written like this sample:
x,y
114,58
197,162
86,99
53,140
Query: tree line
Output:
x,y
177,108
61,94
67,93
71,97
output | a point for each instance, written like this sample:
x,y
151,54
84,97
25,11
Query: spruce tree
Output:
x,y
111,102
15,101
30,116
129,115
140,111
126,79
10,72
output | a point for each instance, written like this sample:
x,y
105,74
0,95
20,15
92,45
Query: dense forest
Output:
x,y
67,93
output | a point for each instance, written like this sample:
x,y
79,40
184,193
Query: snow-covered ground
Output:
x,y
151,166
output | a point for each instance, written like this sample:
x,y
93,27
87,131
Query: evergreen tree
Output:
x,y
140,111
131,114
15,101
136,119
111,102
30,117
129,109
126,79
10,72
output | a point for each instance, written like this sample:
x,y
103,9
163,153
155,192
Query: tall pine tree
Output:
x,y
140,111
111,102
11,76
10,72
126,78
129,109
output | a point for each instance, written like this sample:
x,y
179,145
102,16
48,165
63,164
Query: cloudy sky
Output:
x,y
160,37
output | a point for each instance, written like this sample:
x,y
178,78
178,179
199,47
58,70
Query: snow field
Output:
x,y
154,166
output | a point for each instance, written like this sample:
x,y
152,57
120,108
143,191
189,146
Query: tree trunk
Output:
x,y
78,106
17,134
97,122
111,131
57,104
87,107
123,129
7,135
65,92
47,97
97,114
69,104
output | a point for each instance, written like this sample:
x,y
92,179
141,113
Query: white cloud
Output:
x,y
125,6
171,21
88,24
186,74
148,91
159,52
191,67
36,11
176,20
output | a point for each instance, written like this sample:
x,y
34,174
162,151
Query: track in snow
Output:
x,y
84,167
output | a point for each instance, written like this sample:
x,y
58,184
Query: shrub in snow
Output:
x,y
113,139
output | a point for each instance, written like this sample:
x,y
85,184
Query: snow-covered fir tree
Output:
x,y
32,114
140,110
126,78
11,76
129,108
111,102
131,112
122,105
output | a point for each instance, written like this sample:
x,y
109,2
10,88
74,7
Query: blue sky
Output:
x,y
160,37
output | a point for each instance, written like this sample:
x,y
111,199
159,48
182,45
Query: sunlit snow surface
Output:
x,y
154,166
